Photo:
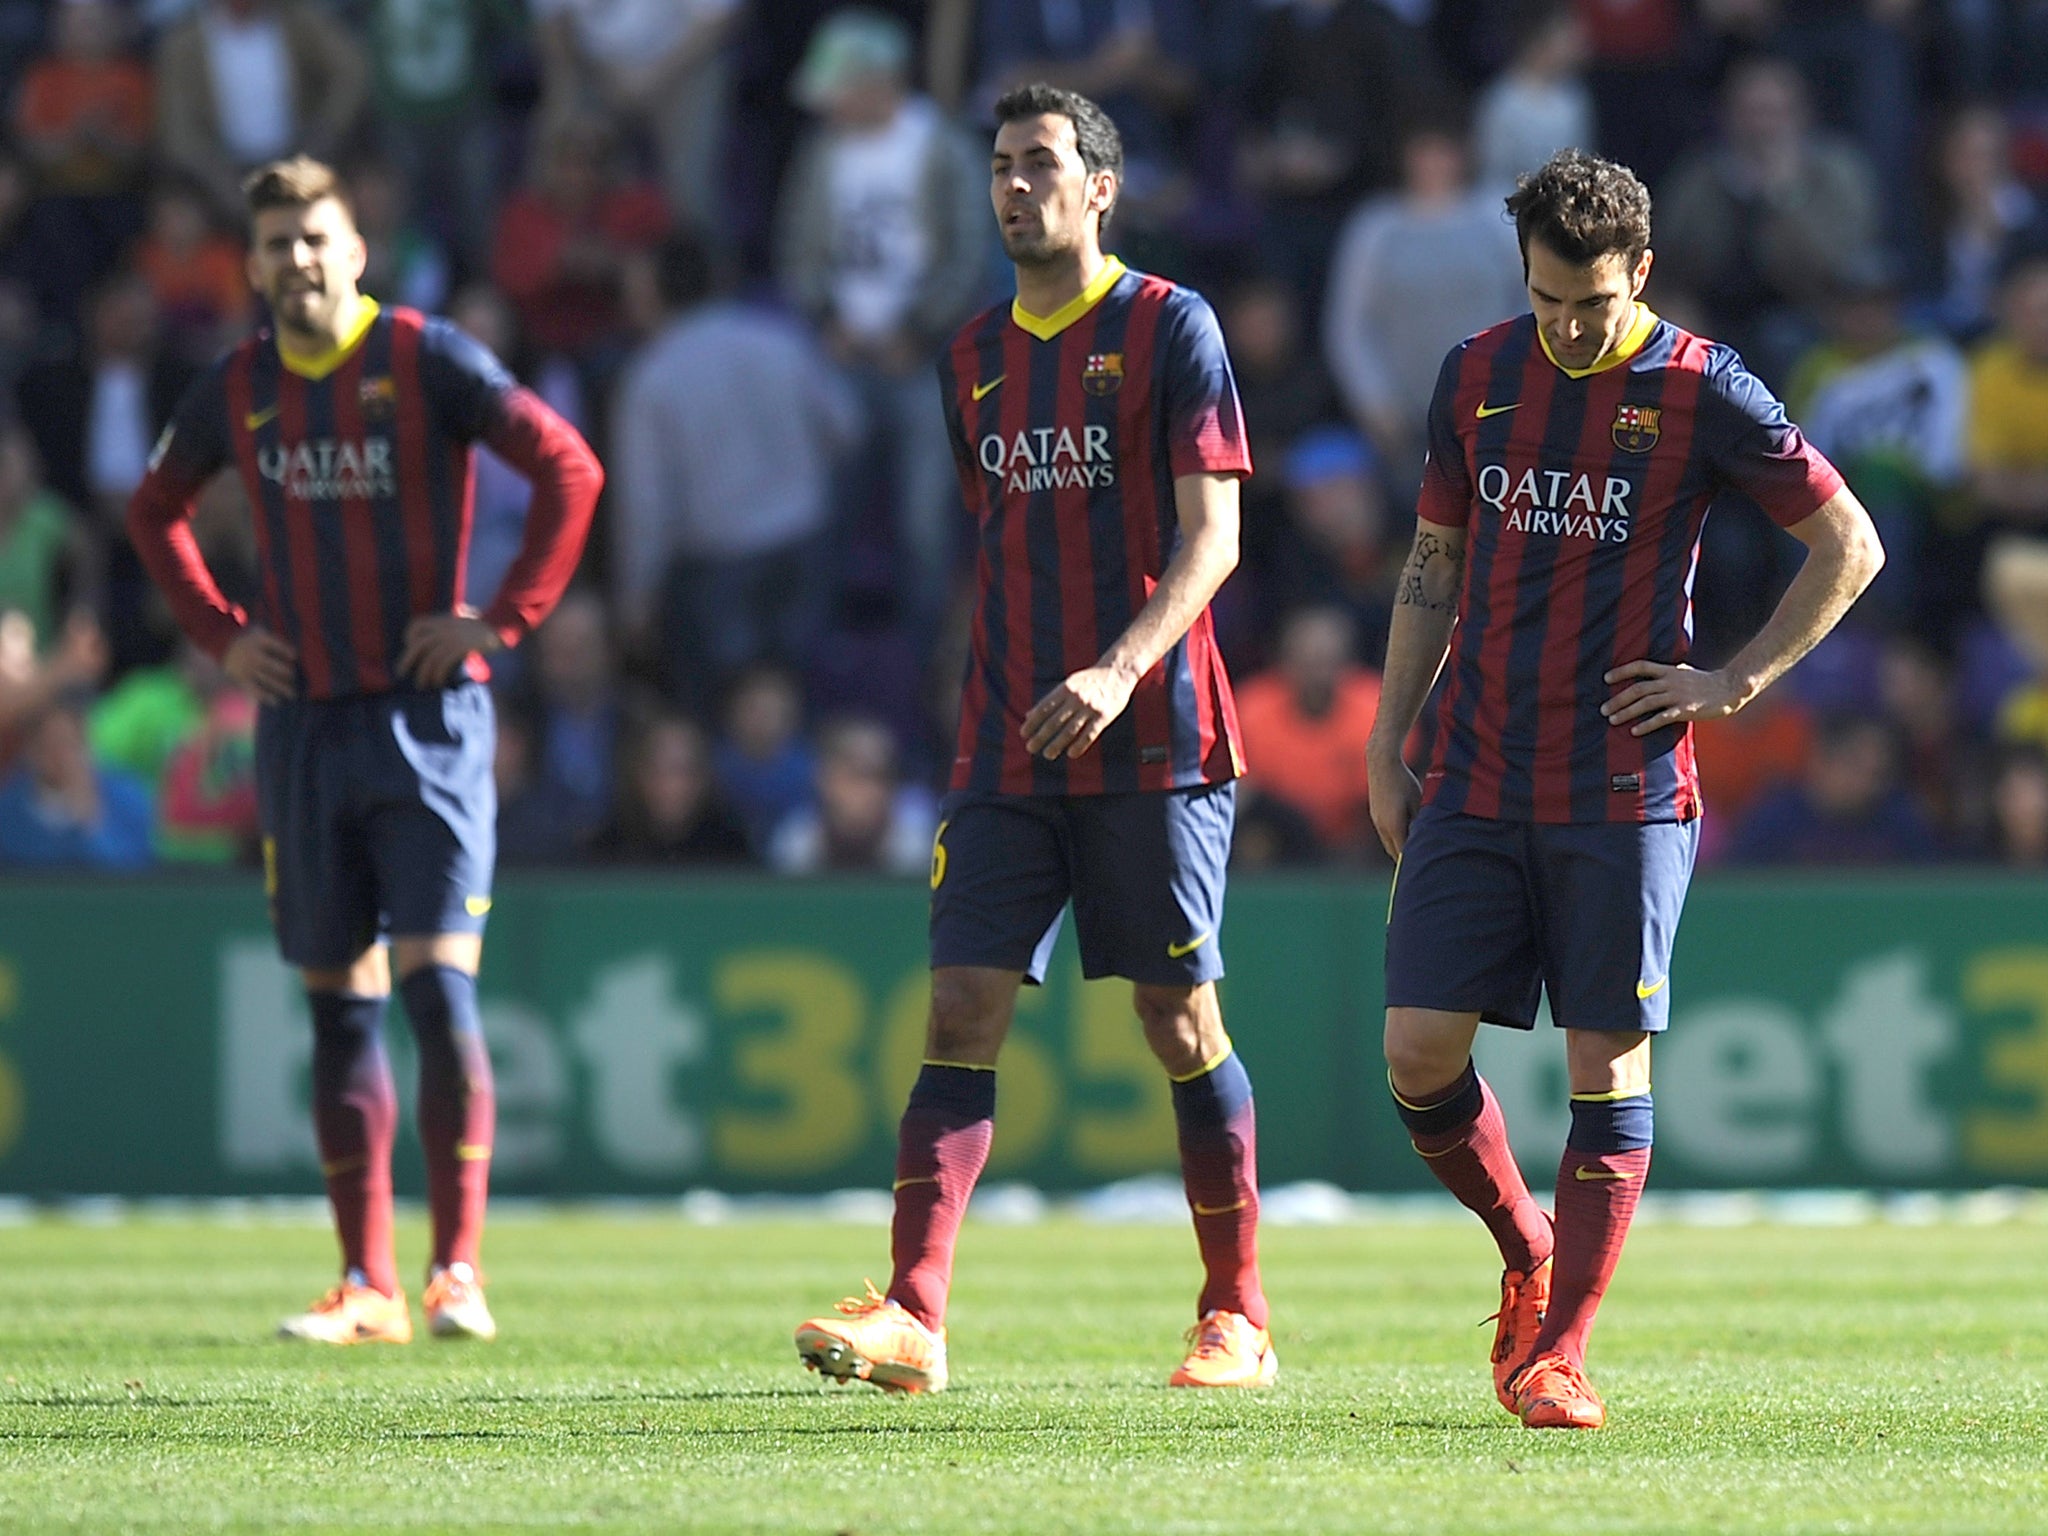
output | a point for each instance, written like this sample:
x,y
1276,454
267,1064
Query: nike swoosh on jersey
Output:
x,y
1589,1175
1485,411
1175,951
1649,989
256,419
980,390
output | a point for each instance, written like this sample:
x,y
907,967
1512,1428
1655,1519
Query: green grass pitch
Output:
x,y
1771,1379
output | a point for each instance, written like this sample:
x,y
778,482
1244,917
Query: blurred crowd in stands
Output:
x,y
726,238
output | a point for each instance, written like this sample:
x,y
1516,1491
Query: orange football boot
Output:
x,y
1523,1301
1228,1350
352,1314
455,1306
875,1340
1553,1393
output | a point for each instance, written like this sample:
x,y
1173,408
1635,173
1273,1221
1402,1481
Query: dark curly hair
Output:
x,y
1583,208
1101,146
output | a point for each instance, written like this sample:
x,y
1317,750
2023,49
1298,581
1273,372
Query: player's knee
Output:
x,y
970,1014
1420,1061
1180,1024
440,1002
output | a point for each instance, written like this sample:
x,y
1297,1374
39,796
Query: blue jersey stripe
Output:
x,y
394,571
323,519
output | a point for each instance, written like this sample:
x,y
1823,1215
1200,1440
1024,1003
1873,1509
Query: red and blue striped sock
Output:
x,y
355,1116
458,1108
941,1147
1606,1160
1219,1165
1463,1138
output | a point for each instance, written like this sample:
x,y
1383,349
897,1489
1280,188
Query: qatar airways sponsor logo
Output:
x,y
1558,503
329,469
1049,459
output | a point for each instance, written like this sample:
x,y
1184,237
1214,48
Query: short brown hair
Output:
x,y
298,182
1583,208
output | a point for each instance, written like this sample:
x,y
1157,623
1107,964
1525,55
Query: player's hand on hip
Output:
x,y
1066,722
1394,795
437,644
263,664
1659,694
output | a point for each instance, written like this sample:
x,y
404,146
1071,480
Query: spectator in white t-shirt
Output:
x,y
883,227
1539,104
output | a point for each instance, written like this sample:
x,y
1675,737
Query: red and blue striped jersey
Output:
x,y
1069,431
1582,494
359,474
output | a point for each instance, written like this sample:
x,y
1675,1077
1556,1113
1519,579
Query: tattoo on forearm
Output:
x,y
1414,589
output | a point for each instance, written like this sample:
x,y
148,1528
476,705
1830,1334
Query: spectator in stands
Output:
x,y
502,493
1139,59
764,765
44,553
1539,104
240,82
1849,809
84,116
563,243
1938,762
1332,549
39,290
1769,219
1984,219
206,800
1746,757
863,818
669,810
578,707
61,810
1416,272
539,822
2008,446
882,228
658,65
138,723
1645,80
408,264
30,683
1887,405
431,72
194,273
2019,808
1334,82
725,435
1305,725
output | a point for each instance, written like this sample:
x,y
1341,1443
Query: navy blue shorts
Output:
x,y
1145,872
379,817
1488,915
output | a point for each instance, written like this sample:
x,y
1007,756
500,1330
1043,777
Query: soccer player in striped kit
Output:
x,y
1100,445
1573,453
352,430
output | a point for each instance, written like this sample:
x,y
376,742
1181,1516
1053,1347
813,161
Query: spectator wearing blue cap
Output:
x,y
1333,550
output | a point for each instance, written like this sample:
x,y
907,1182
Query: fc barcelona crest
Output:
x,y
1103,373
379,396
1635,427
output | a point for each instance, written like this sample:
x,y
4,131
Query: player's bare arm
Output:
x,y
1425,613
437,644
1842,555
262,663
1069,719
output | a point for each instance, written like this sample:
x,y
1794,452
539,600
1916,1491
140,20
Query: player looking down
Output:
x,y
1573,453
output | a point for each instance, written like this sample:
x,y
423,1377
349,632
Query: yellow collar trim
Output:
x,y
1045,327
1631,344
321,364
